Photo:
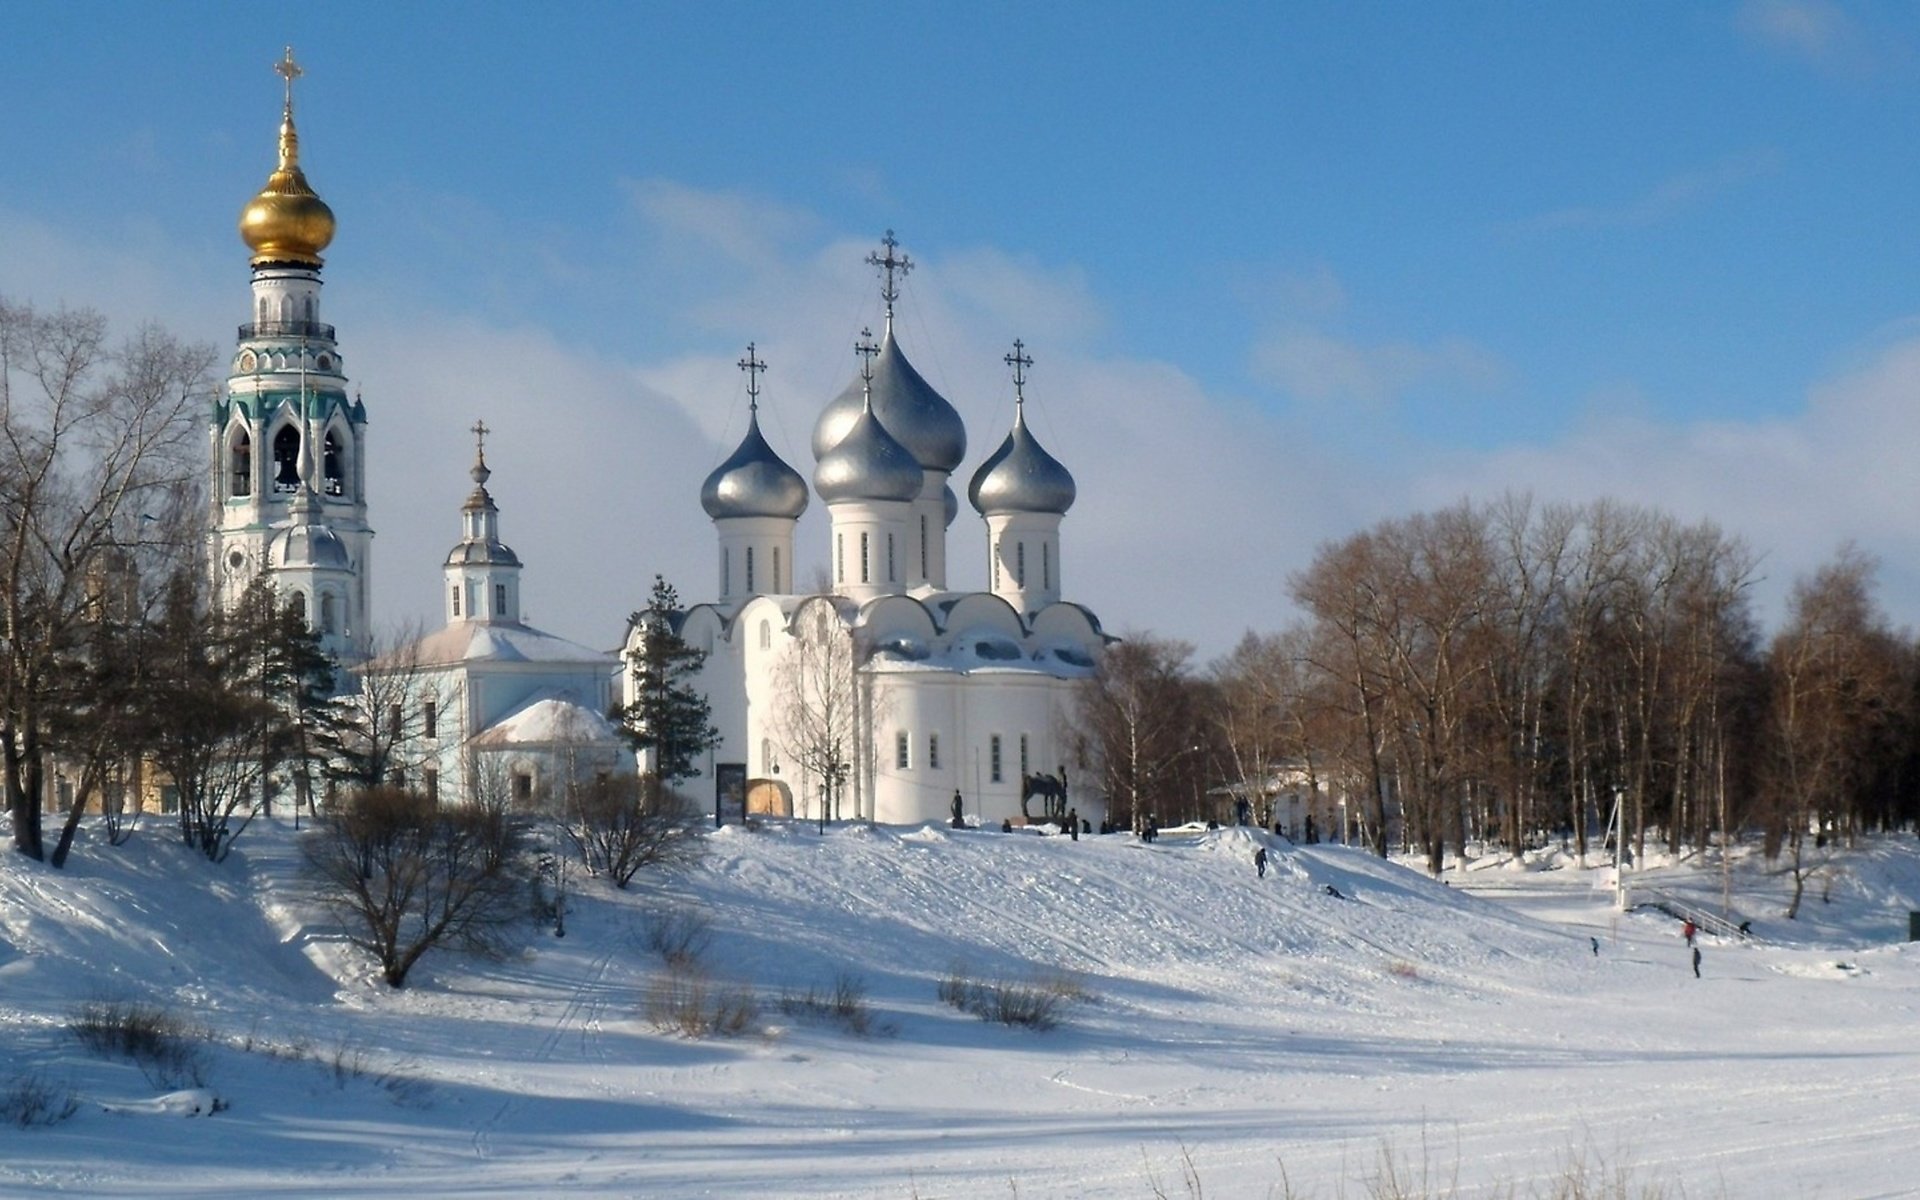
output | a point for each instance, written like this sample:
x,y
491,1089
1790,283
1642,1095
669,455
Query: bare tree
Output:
x,y
408,876
92,436
626,823
1140,724
402,718
816,714
1841,681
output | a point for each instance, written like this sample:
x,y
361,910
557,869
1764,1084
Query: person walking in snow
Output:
x,y
1696,962
1688,931
1260,861
1596,946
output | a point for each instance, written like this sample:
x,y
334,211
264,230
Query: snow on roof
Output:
x,y
549,718
474,641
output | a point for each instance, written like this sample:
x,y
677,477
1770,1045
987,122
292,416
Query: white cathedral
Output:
x,y
889,697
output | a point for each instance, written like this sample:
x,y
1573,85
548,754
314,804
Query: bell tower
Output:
x,y
289,447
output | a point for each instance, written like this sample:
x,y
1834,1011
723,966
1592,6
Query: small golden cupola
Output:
x,y
287,222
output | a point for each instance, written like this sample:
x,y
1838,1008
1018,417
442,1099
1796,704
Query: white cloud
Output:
x,y
1670,197
1315,366
1194,505
1820,33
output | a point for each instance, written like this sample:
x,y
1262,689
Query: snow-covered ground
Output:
x,y
1238,1036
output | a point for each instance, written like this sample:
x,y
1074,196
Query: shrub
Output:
x,y
1032,1004
30,1100
680,936
168,1049
625,823
845,1004
688,1001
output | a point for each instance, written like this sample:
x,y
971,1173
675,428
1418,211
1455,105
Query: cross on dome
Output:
x,y
752,365
288,70
866,350
890,291
1019,360
480,472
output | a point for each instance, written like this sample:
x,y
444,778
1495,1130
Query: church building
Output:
x,y
892,697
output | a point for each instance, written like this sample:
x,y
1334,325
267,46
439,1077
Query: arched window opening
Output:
x,y
307,304
286,309
923,546
766,635
995,556
260,311
866,559
749,568
892,574
726,572
1020,563
776,572
1046,566
286,459
456,599
767,765
299,605
327,619
240,460
839,558
333,465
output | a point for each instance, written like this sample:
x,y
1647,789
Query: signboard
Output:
x,y
729,793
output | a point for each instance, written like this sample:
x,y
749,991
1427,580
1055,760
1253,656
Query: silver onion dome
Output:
x,y
916,415
951,503
754,482
1021,477
867,463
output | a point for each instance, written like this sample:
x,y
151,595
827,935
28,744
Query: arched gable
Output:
x,y
1066,621
978,610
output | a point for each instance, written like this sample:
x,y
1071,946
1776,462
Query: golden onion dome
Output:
x,y
287,221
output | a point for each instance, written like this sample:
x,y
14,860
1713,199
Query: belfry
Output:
x,y
289,446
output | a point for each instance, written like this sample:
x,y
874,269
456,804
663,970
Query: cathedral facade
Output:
x,y
890,696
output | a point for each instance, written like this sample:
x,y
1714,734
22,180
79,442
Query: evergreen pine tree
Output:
x,y
668,718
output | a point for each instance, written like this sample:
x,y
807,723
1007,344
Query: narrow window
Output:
x,y
776,572
456,599
893,573
1020,563
749,568
923,546
299,604
499,599
430,783
866,563
993,758
332,466
430,719
1023,754
1046,565
933,752
395,717
522,788
473,599
286,459
241,458
902,752
326,612
839,558
996,566
766,635
766,756
726,572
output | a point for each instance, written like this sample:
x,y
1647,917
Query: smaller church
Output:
x,y
489,706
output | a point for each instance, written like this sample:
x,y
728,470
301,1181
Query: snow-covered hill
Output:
x,y
1227,1029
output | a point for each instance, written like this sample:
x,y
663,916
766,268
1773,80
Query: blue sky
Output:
x,y
1284,269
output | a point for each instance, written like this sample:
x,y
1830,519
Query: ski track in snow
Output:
x,y
1251,1024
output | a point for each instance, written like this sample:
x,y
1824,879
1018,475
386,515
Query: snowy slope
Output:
x,y
1249,1025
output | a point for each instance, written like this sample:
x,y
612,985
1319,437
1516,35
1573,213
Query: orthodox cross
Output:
x,y
866,350
890,264
480,473
1019,361
288,70
752,365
